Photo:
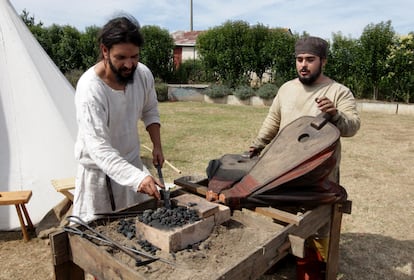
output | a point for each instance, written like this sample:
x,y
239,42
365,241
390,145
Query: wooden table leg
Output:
x,y
26,215
22,224
334,237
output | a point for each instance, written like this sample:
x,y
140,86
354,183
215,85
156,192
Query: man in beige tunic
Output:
x,y
309,95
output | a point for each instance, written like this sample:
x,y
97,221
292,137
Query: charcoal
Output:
x,y
130,235
138,262
147,246
164,217
127,228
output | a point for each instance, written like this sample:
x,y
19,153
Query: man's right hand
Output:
x,y
254,151
149,186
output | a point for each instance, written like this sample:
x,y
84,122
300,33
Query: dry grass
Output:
x,y
377,239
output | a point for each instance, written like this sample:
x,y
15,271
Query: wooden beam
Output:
x,y
98,262
279,215
64,268
334,237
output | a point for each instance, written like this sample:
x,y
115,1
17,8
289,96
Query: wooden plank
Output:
x,y
69,271
315,219
203,207
26,236
335,233
260,260
223,215
59,245
191,184
251,219
64,268
27,217
279,215
297,246
64,184
15,197
98,262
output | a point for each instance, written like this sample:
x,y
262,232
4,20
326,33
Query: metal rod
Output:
x,y
101,237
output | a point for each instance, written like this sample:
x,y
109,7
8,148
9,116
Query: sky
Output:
x,y
316,17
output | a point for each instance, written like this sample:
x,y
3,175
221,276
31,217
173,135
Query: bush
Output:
x,y
189,72
267,91
73,76
162,91
216,91
243,92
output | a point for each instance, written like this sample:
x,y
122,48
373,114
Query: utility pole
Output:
x,y
191,15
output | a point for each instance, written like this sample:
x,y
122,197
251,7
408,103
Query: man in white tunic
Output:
x,y
111,97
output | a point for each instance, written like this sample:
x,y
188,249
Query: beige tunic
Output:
x,y
295,100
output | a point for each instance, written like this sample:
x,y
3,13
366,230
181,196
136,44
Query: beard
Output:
x,y
120,74
308,80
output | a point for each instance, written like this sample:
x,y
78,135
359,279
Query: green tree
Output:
x,y
375,41
89,47
258,59
157,52
281,49
342,62
29,20
224,52
400,69
69,55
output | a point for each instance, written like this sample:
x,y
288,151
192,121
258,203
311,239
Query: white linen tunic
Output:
x,y
108,141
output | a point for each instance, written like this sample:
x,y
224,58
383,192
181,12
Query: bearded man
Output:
x,y
111,97
308,95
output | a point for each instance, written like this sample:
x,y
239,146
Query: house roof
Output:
x,y
189,38
185,38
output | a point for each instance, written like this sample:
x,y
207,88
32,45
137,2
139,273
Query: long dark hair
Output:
x,y
122,29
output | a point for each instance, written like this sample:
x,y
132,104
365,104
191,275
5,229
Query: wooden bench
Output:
x,y
19,199
64,186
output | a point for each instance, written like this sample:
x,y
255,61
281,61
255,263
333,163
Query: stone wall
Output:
x,y
196,93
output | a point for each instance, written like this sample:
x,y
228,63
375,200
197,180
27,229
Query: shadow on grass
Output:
x,y
371,256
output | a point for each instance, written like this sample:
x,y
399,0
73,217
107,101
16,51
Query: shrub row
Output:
x,y
266,91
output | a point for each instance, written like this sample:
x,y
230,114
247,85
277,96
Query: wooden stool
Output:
x,y
19,199
64,185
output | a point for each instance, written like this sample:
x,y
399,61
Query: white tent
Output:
x,y
37,120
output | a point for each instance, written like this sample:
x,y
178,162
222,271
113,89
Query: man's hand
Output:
x,y
254,151
326,105
157,157
149,186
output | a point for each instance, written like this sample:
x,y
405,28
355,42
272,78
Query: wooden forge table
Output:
x,y
286,233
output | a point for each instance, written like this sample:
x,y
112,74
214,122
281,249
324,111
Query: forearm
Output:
x,y
269,128
347,119
155,136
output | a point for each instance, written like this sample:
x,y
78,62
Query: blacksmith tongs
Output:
x,y
167,201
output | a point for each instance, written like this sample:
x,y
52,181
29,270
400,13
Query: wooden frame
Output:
x,y
72,255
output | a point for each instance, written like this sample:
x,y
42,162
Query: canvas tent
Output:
x,y
37,120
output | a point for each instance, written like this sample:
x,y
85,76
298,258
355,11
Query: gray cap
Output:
x,y
312,45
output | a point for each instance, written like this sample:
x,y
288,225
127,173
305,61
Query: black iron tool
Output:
x,y
167,201
98,236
